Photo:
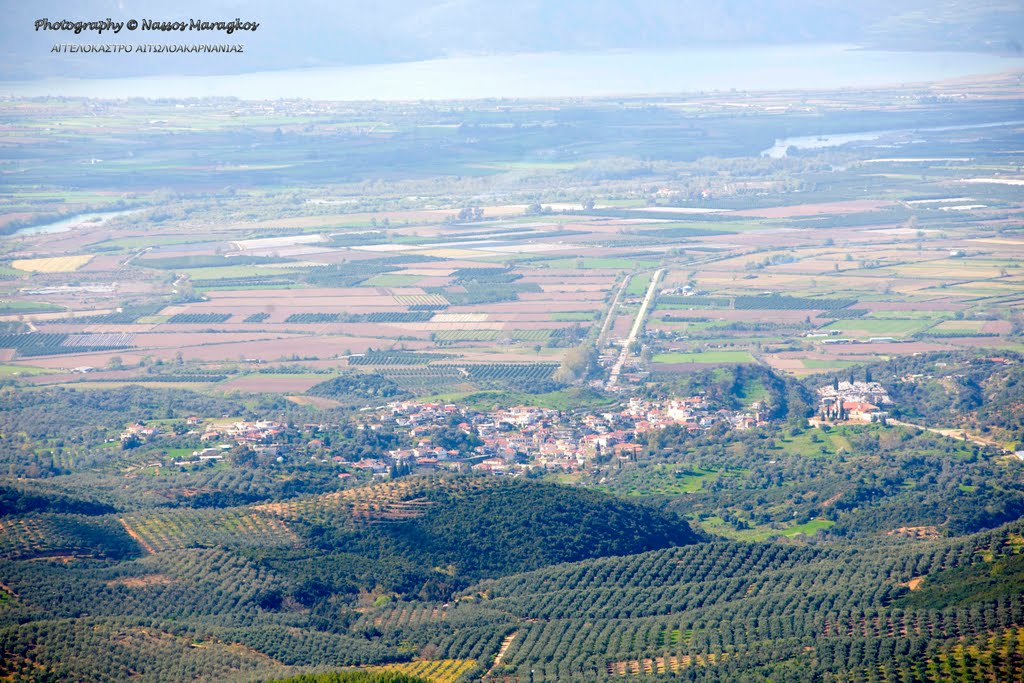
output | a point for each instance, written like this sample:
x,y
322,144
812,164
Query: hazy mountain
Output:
x,y
317,32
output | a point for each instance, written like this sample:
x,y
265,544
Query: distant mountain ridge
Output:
x,y
320,33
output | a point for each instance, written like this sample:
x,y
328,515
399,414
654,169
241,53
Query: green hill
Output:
x,y
506,527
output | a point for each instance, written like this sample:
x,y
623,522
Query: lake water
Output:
x,y
778,150
608,73
67,224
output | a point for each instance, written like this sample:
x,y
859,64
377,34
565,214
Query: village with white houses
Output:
x,y
505,441
522,438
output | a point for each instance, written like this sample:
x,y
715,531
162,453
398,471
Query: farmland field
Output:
x,y
705,357
54,264
863,326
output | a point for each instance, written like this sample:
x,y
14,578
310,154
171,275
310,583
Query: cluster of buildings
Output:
x,y
437,436
139,433
259,435
249,433
852,401
525,437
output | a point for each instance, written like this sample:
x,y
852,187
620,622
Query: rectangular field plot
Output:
x,y
861,327
705,357
947,269
979,289
428,378
466,335
960,326
436,671
492,335
271,383
198,318
112,339
55,264
200,275
970,328
934,315
392,280
420,300
572,316
459,318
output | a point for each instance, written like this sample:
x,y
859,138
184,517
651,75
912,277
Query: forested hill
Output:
x,y
490,530
420,536
210,593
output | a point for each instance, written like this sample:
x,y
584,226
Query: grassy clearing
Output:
x,y
705,357
565,478
719,527
8,307
662,480
638,285
908,315
15,370
809,528
815,443
751,392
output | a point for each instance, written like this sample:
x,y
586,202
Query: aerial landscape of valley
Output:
x,y
518,364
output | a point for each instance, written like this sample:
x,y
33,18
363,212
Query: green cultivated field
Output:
x,y
638,285
573,316
705,357
868,327
20,307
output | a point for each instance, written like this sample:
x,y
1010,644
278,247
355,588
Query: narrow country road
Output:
x,y
634,332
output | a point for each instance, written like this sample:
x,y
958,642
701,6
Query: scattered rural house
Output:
x,y
375,466
139,432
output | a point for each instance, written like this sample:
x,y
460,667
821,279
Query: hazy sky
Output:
x,y
347,32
